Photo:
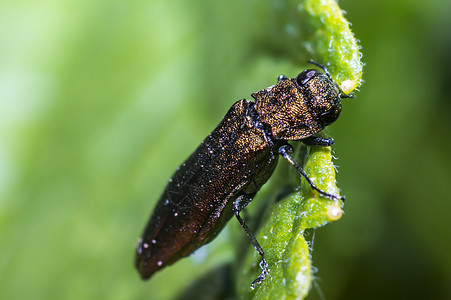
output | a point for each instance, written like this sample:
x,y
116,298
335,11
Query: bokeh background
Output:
x,y
100,101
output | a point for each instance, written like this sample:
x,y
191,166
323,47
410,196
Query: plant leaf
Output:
x,y
311,29
307,29
329,38
282,234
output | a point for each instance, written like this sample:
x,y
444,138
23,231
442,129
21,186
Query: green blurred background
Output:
x,y
100,101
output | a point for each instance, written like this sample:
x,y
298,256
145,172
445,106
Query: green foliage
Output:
x,y
312,29
328,36
282,232
323,32
100,101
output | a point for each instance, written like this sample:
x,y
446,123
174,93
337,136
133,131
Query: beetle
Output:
x,y
225,172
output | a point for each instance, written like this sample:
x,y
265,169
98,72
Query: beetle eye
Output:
x,y
330,116
305,76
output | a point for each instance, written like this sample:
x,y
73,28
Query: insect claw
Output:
x,y
262,275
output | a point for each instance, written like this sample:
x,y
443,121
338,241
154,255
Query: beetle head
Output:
x,y
321,95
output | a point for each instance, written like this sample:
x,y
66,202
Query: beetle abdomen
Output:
x,y
234,159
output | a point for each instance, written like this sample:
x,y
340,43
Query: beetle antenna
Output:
x,y
322,67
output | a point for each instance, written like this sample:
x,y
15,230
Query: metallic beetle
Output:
x,y
228,168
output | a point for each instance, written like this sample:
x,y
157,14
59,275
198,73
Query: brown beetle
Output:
x,y
228,168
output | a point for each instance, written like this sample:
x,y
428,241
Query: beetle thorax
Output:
x,y
284,109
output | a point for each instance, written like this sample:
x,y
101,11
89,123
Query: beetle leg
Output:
x,y
318,141
241,202
284,150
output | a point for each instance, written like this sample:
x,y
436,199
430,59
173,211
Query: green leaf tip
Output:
x,y
327,36
315,209
318,30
